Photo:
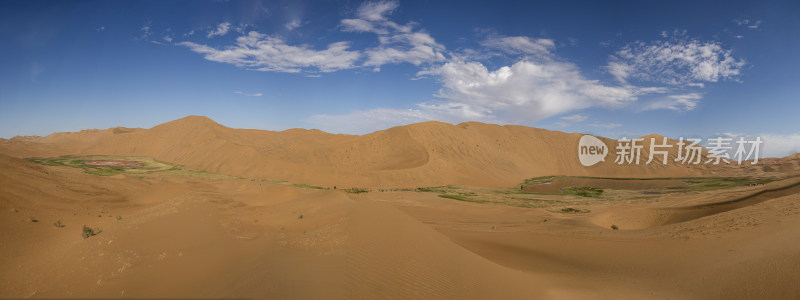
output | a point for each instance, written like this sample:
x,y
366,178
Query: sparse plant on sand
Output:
x,y
300,217
88,231
32,219
58,224
356,190
614,227
119,217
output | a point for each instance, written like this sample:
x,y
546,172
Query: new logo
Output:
x,y
591,150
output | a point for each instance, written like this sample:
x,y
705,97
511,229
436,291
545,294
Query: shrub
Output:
x,y
58,224
87,231
614,227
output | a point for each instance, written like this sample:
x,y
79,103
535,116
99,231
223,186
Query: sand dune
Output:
x,y
424,154
188,233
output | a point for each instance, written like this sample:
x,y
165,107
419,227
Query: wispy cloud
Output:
x,y
248,94
520,45
605,125
294,24
220,30
676,102
145,32
576,118
398,43
101,28
256,51
745,22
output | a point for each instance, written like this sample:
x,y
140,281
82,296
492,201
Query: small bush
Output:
x,y
58,224
614,227
119,217
32,219
300,217
87,231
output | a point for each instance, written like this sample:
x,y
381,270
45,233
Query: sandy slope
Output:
x,y
198,237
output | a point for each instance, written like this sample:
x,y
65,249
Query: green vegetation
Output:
x,y
273,180
583,191
356,190
436,189
87,232
614,227
58,224
149,167
462,198
306,186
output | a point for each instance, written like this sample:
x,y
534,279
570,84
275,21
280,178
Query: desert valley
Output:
x,y
191,208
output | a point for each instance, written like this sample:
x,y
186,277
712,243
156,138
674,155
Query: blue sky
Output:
x,y
623,68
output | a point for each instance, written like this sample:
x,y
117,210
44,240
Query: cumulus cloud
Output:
x,y
679,62
262,52
526,91
222,29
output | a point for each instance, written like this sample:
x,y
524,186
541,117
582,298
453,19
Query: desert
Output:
x,y
399,149
222,212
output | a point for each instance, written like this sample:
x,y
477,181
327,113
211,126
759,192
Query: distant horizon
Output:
x,y
620,69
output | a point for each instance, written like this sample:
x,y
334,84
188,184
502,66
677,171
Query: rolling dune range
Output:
x,y
245,234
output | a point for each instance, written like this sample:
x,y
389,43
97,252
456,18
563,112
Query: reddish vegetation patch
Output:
x,y
114,163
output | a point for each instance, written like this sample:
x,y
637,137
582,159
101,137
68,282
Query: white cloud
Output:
x,y
248,94
101,28
190,33
779,145
576,118
222,29
416,48
168,38
678,62
261,52
526,91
